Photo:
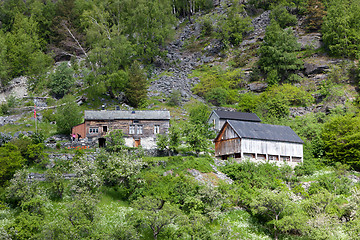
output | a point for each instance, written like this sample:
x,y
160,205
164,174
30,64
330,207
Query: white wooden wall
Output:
x,y
271,147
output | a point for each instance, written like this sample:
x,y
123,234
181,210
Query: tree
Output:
x,y
233,28
61,80
169,142
197,137
341,28
68,114
115,141
155,213
118,168
136,91
24,49
283,17
278,52
272,205
10,161
87,179
315,12
341,139
4,65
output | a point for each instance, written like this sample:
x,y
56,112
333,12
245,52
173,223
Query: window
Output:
x,y
214,124
139,129
93,130
136,121
104,128
285,158
296,159
156,129
273,158
131,129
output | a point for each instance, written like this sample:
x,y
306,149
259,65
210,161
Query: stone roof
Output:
x,y
132,115
260,131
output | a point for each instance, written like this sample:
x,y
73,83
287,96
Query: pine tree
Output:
x,y
136,91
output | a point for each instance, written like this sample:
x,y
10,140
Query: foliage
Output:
x,y
217,85
87,179
315,12
271,204
54,176
340,28
136,91
118,168
278,52
234,26
174,98
197,137
61,80
115,140
341,140
283,17
155,214
199,113
67,115
10,161
20,189
170,141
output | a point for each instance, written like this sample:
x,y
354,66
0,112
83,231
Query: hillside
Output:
x,y
293,63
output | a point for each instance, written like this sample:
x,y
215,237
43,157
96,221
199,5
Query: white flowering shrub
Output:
x,y
118,168
87,178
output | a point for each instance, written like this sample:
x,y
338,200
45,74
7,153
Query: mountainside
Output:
x,y
292,62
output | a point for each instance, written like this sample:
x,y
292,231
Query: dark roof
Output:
x,y
133,115
243,116
254,130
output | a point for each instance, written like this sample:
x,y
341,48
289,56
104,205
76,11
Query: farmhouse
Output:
x,y
217,118
257,141
140,128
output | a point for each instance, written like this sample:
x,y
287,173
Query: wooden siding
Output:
x,y
147,127
272,147
227,147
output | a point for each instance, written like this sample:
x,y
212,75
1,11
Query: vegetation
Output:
x,y
107,52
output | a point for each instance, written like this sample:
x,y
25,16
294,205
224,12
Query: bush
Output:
x,y
61,80
283,17
217,96
175,98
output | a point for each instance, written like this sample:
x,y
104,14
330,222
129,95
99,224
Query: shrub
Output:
x,y
283,17
61,80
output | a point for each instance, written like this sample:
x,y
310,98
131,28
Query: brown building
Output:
x,y
140,128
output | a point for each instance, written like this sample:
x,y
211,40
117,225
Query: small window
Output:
x,y
273,158
296,159
261,157
285,158
105,129
214,124
136,121
93,130
131,129
139,129
156,129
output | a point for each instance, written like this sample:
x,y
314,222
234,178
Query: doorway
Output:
x,y
102,142
137,143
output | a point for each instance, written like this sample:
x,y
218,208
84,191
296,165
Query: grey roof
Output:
x,y
243,116
254,130
132,115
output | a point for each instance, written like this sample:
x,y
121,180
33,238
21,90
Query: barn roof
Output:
x,y
243,116
132,115
255,130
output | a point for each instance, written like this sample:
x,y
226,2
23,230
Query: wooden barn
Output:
x,y
217,118
140,128
257,141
